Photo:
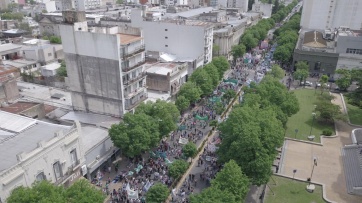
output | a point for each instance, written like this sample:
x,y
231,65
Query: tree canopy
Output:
x,y
277,72
182,103
177,168
213,195
136,134
165,113
81,191
157,193
302,71
232,179
189,149
190,91
221,64
202,79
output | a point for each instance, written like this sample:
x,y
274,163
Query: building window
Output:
x,y
166,37
57,170
73,157
140,83
317,65
40,177
49,54
166,29
166,45
354,51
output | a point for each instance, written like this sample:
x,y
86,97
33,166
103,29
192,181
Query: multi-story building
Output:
x,y
104,65
243,4
329,50
9,91
187,40
331,14
80,5
265,9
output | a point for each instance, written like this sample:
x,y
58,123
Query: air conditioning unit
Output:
x,y
98,157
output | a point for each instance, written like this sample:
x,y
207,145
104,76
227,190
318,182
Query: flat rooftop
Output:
x,y
126,39
91,118
162,68
9,47
6,69
92,136
21,134
19,107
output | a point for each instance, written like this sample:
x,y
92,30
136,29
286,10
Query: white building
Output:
x,y
264,8
50,70
188,40
34,150
243,4
331,14
104,66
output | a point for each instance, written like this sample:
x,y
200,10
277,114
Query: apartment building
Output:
x,y
243,4
331,14
104,65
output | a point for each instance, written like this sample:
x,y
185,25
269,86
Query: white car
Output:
x,y
307,83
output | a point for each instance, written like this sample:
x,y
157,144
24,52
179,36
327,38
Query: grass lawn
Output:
x,y
354,114
303,119
287,190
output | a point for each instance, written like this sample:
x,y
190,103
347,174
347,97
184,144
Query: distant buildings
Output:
x,y
329,50
331,14
243,4
265,9
8,89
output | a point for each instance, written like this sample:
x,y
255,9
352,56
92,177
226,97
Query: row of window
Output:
x,y
354,51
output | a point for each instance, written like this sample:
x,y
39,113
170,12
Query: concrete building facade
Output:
x,y
331,14
9,91
29,153
104,66
243,4
185,39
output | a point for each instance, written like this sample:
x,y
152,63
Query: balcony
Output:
x,y
134,93
130,81
126,53
126,67
131,106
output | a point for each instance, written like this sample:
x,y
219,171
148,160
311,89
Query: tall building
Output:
x,y
243,4
104,65
331,14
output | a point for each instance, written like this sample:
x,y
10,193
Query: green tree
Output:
x,y
119,1
215,50
55,40
12,16
323,80
277,72
62,70
221,64
189,149
177,168
182,103
249,41
276,6
157,193
329,112
202,80
228,95
24,26
190,91
282,54
213,195
302,71
232,179
165,113
43,191
213,73
136,134
83,192
238,51
345,79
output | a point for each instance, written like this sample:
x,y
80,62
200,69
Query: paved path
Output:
x,y
329,171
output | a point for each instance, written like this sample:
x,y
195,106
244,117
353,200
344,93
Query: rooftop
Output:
x,y
352,161
92,136
314,39
162,68
19,107
51,66
9,46
14,31
21,134
91,118
126,39
19,63
6,69
194,12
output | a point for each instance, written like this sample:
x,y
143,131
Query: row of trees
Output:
x,y
144,129
255,129
346,78
80,192
280,11
202,82
12,16
53,39
258,32
286,38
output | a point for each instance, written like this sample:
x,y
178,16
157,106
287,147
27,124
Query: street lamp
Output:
x,y
311,127
311,187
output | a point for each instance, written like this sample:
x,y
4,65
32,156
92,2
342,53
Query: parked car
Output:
x,y
307,83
